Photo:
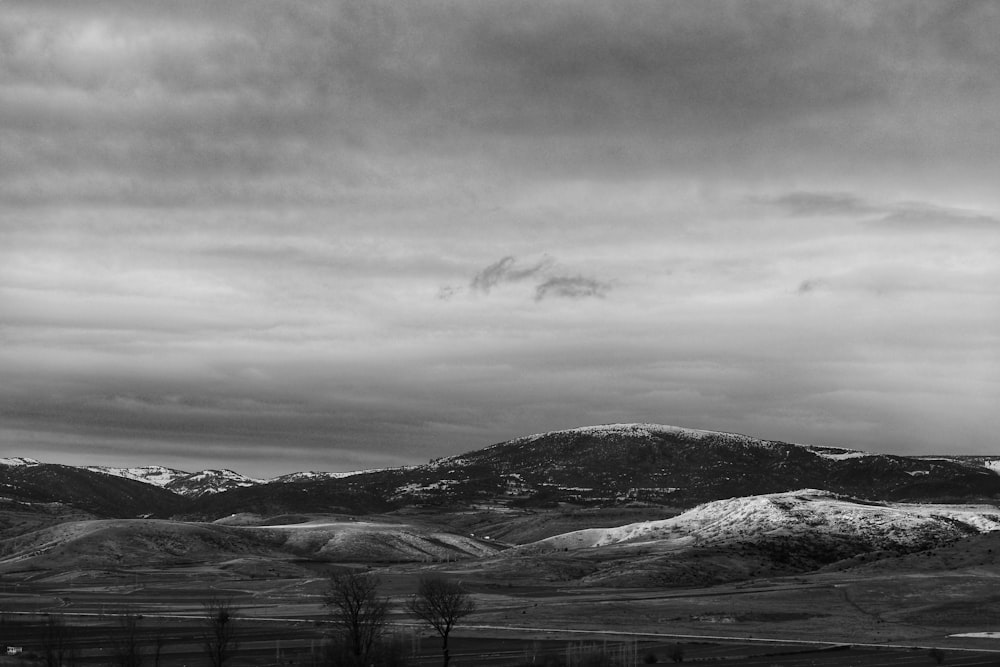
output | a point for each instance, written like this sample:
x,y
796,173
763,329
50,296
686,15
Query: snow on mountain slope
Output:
x,y
155,475
207,482
836,453
18,461
808,511
313,475
181,482
639,431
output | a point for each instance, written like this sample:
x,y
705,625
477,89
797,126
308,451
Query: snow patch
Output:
x,y
641,430
806,510
836,454
19,461
155,475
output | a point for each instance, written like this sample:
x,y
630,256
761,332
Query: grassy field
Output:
x,y
824,619
532,607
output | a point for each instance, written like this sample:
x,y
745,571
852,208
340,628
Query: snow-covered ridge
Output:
x,y
836,453
314,474
224,474
155,475
796,512
208,482
17,461
638,430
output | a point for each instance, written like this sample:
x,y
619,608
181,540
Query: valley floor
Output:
x,y
885,618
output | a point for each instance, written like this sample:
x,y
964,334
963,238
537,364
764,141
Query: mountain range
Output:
x,y
613,505
609,465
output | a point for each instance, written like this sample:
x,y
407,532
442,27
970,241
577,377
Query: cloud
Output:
x,y
906,215
547,284
492,275
201,189
811,285
933,218
576,287
504,271
821,203
446,292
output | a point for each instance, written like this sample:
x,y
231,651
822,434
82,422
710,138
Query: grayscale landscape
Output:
x,y
564,333
630,541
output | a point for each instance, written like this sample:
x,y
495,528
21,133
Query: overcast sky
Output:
x,y
279,236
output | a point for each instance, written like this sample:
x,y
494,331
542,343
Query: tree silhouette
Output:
x,y
357,611
442,604
125,643
220,632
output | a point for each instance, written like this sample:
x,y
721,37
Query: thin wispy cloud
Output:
x,y
811,285
544,275
901,215
822,203
506,271
575,287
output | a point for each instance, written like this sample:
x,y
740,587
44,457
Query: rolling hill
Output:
x,y
113,544
741,538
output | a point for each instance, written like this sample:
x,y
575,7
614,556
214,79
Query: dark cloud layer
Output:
x,y
225,226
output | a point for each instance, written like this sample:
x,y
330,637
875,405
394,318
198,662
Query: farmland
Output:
x,y
822,619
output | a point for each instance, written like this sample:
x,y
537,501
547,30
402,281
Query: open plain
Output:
x,y
851,614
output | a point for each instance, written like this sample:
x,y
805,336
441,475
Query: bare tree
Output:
x,y
159,641
220,631
125,642
442,604
57,647
357,612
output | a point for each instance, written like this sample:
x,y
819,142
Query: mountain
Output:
x,y
275,498
18,461
609,465
187,484
622,463
313,475
155,475
209,482
86,490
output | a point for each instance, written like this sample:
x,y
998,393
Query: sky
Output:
x,y
283,236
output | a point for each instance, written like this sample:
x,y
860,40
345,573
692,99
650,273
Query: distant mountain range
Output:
x,y
618,464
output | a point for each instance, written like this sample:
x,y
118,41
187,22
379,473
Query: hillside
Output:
x,y
743,538
616,465
187,484
93,492
316,496
625,463
111,544
819,514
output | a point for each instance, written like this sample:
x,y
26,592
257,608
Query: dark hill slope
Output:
x,y
315,496
688,466
97,493
619,464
